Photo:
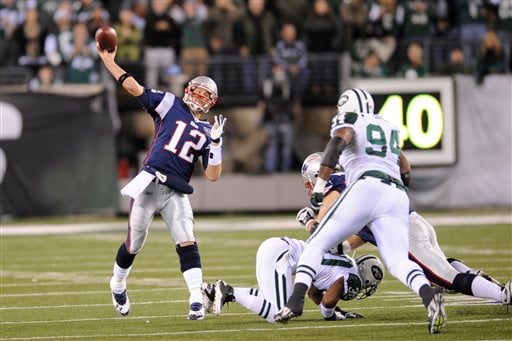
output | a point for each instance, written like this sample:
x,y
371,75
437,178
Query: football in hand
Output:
x,y
106,36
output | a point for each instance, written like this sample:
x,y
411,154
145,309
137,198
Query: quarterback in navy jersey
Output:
x,y
424,250
162,186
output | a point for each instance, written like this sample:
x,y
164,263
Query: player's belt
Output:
x,y
384,178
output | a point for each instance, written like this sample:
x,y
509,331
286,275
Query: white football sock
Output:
x,y
194,277
118,281
484,289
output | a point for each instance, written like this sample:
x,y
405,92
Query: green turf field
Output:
x,y
56,287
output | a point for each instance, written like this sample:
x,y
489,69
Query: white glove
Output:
x,y
218,127
305,215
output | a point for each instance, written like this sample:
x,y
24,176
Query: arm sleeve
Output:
x,y
151,100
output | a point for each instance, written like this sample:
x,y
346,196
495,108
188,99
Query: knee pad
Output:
x,y
124,259
189,257
462,283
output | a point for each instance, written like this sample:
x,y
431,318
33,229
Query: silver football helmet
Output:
x,y
309,170
355,100
201,100
371,272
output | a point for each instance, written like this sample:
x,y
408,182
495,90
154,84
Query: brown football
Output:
x,y
106,36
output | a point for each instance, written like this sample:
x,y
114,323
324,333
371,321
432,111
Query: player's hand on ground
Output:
x,y
218,128
305,215
340,315
317,199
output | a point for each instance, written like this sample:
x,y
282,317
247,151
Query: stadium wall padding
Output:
x,y
62,159
483,174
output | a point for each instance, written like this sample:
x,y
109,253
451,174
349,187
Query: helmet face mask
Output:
x,y
201,94
371,272
356,100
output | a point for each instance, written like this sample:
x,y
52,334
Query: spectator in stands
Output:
x,y
140,11
354,17
418,20
290,61
254,35
58,44
415,65
385,20
444,36
491,57
129,37
194,40
282,94
83,66
222,17
83,9
161,41
31,36
11,18
371,67
322,34
99,17
46,10
290,11
44,79
471,17
456,63
278,120
504,28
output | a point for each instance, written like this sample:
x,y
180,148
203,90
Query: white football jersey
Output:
x,y
333,267
375,146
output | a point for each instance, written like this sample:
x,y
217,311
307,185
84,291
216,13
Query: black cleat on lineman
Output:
x,y
436,312
224,293
293,308
208,291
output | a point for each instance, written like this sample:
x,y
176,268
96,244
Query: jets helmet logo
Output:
x,y
377,273
343,99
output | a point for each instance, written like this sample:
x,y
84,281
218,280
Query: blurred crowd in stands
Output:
x,y
278,51
385,38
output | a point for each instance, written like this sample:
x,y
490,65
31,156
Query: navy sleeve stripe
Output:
x,y
165,105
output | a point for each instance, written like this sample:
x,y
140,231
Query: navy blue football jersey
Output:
x,y
336,182
180,139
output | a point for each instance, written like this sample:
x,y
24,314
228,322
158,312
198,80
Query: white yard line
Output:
x,y
229,225
451,300
263,329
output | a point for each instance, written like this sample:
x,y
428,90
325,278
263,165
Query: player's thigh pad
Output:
x,y
140,217
178,216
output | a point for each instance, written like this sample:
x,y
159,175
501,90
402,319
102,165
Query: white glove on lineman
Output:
x,y
218,128
305,215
